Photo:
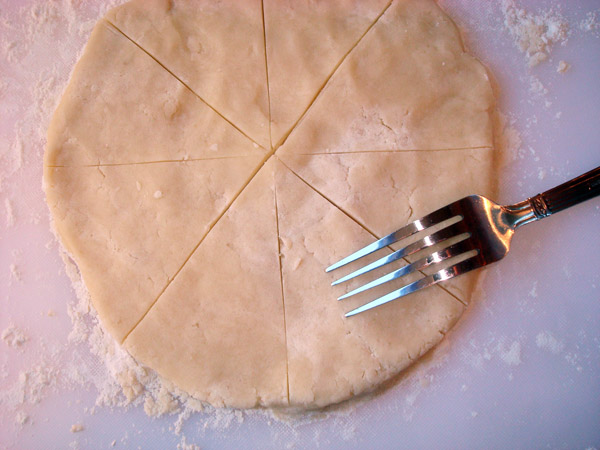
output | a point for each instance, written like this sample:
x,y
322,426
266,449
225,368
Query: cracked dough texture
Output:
x,y
209,160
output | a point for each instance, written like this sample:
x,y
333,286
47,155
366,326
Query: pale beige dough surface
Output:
x,y
203,246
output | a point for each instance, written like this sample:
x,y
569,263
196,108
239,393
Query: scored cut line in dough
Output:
x,y
262,10
106,111
397,151
409,186
287,371
166,161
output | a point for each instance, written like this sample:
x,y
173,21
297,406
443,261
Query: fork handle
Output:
x,y
568,194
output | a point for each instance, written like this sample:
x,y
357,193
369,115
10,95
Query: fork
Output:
x,y
472,232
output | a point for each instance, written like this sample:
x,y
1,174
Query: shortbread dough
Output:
x,y
208,160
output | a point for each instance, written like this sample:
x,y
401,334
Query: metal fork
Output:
x,y
474,232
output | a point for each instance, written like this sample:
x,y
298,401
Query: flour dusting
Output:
x,y
591,23
512,354
534,35
563,66
546,341
10,213
508,139
13,336
478,354
91,359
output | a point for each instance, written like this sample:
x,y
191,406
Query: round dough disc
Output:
x,y
208,161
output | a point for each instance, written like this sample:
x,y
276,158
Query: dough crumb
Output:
x,y
533,291
573,359
76,428
158,194
474,413
10,213
541,176
509,139
536,87
163,404
138,186
15,273
213,148
32,384
546,341
13,337
563,66
21,418
534,35
512,356
590,23
183,445
18,151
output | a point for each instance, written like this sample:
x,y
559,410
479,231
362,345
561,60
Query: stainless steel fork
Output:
x,y
471,232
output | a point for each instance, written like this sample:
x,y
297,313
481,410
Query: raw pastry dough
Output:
x,y
202,199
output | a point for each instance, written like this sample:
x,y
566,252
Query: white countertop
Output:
x,y
520,370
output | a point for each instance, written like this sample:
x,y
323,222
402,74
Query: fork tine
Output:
x,y
439,236
436,257
437,216
444,274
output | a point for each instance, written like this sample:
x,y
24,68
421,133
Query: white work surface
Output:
x,y
520,370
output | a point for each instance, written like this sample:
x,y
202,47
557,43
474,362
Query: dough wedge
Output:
x,y
330,357
306,40
218,330
409,84
216,48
